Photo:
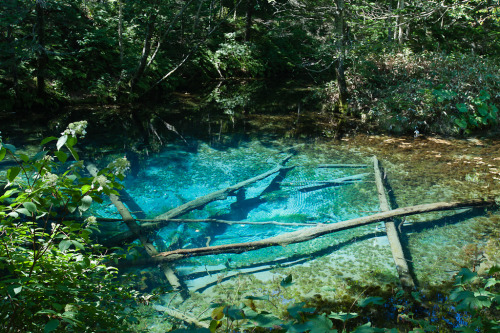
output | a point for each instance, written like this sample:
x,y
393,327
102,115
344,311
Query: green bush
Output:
x,y
53,277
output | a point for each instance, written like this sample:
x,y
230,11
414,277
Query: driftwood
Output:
x,y
179,315
135,228
197,203
310,233
342,166
201,202
392,233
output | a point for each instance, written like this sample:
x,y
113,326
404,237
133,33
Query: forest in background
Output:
x,y
409,67
426,65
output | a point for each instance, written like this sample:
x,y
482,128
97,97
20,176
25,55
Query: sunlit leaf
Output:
x,y
30,206
86,202
64,245
12,173
3,151
46,140
61,141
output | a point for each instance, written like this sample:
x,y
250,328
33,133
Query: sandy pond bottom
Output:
x,y
419,170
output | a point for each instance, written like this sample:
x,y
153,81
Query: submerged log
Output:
x,y
342,166
179,315
392,233
152,225
222,194
310,233
136,230
197,203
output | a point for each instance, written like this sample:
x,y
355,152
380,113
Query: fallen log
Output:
x,y
151,225
220,194
342,166
310,233
336,182
392,233
197,203
136,230
179,315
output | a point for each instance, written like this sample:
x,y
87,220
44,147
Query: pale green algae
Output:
x,y
422,170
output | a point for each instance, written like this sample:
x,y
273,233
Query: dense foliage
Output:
x,y
53,276
54,52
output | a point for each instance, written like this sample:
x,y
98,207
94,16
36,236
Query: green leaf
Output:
x,y
61,156
39,155
465,276
51,325
3,151
462,107
78,245
30,206
86,202
9,147
370,300
462,123
85,188
46,140
12,173
73,152
25,158
316,324
23,211
64,245
483,110
343,316
258,298
286,282
367,328
61,141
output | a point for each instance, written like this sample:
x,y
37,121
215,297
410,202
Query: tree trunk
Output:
x,y
392,233
146,50
248,20
339,69
309,233
136,229
42,58
120,29
399,31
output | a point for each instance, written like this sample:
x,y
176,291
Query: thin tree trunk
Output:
x,y
309,233
120,29
42,58
339,69
392,233
248,20
136,229
146,50
398,31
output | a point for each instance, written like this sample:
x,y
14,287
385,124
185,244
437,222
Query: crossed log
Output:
x,y
309,233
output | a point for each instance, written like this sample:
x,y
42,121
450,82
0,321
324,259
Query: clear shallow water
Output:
x,y
329,265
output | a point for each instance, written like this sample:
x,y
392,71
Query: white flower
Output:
x,y
76,128
50,179
119,166
102,181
